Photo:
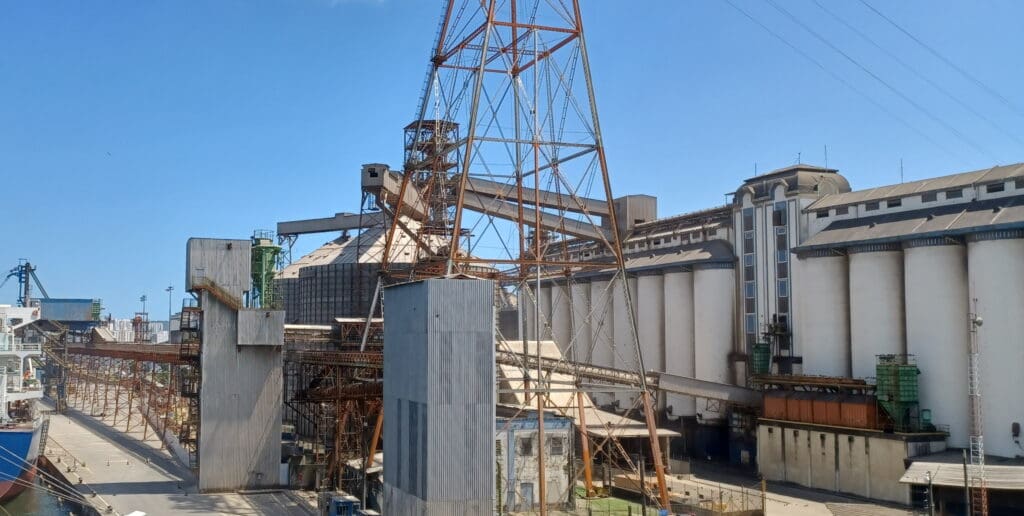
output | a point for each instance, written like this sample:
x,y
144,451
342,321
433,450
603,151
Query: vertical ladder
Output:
x,y
979,489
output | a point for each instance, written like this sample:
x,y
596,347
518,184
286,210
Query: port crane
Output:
x,y
26,274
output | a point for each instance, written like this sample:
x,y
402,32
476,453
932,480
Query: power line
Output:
x,y
920,75
943,58
843,81
883,82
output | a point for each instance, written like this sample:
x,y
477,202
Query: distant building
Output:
x,y
516,448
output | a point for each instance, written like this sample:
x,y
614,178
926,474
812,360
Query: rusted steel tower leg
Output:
x,y
659,460
588,474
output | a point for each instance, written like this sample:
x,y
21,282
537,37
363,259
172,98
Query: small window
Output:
x,y
781,242
748,260
751,321
929,197
1018,184
557,446
782,270
995,187
842,210
657,242
779,215
782,256
525,446
783,288
748,289
871,206
954,194
821,214
748,218
894,203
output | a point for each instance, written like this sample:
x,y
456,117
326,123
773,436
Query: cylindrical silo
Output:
x,y
624,312
714,287
995,263
545,311
876,306
679,337
935,273
561,316
650,313
601,332
528,312
581,331
822,325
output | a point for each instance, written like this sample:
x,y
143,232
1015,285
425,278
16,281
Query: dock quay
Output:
x,y
121,473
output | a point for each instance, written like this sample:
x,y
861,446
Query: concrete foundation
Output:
x,y
861,462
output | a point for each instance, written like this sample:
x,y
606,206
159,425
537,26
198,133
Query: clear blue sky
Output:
x,y
127,127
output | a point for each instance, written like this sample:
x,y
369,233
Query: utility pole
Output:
x,y
169,289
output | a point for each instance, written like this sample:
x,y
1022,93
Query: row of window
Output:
x,y
956,193
749,279
782,262
556,446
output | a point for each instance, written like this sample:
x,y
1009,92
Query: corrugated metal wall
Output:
x,y
66,309
439,445
240,397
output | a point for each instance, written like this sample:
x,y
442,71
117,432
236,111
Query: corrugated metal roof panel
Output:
x,y
948,220
952,475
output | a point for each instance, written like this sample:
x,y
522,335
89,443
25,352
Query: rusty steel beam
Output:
x,y
164,354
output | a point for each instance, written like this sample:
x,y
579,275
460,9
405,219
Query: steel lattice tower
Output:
x,y
505,174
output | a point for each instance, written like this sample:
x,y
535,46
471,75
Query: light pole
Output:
x,y
143,299
169,289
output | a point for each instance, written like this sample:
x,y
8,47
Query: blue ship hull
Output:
x,y
19,448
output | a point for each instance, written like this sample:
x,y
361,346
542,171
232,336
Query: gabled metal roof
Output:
x,y
962,180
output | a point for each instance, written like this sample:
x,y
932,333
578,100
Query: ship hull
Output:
x,y
19,449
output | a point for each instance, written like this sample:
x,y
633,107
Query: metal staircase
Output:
x,y
44,434
190,378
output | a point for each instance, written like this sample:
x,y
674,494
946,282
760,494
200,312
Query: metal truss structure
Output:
x,y
505,177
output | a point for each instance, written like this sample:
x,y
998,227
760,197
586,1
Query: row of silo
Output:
x,y
685,326
914,298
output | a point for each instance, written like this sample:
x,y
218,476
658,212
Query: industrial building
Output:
x,y
831,278
800,275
